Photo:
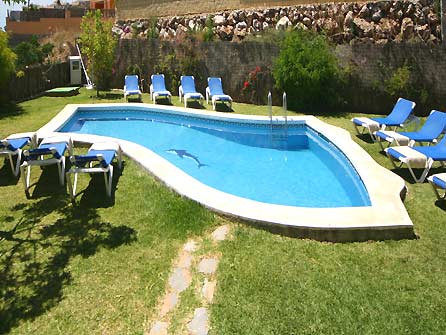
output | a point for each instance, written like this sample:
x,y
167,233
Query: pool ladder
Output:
x,y
279,135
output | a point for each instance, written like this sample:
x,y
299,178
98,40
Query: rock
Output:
x,y
241,25
348,21
432,19
219,20
382,41
220,233
192,26
407,28
307,22
159,328
363,28
377,16
265,26
208,265
126,36
180,279
410,10
301,26
330,26
423,32
283,23
364,12
117,30
226,33
257,25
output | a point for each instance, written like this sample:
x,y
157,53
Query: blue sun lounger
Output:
x,y
158,88
50,151
429,132
400,113
131,86
214,91
98,159
187,89
438,183
13,145
418,157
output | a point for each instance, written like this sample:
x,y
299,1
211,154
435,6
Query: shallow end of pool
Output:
x,y
386,218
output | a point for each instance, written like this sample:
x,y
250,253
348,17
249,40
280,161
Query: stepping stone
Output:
x,y
220,233
208,290
185,260
169,303
159,328
199,323
190,246
180,279
208,265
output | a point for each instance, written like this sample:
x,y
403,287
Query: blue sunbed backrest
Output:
x,y
215,86
131,82
158,82
435,123
401,111
188,84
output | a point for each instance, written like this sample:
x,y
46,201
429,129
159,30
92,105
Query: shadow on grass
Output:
x,y
220,107
365,138
195,104
107,95
404,173
34,258
8,110
163,101
441,204
6,175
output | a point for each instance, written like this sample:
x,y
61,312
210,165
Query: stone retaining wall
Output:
x,y
378,22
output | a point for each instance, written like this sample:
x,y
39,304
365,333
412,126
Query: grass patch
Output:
x,y
101,266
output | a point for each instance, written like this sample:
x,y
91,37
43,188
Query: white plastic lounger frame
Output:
x,y
408,161
107,170
18,152
26,166
156,94
192,95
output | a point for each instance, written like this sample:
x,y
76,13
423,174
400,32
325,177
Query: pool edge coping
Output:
x,y
386,204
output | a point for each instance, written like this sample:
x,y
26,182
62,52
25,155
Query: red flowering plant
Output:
x,y
253,85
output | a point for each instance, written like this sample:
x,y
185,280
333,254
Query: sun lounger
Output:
x,y
187,89
431,130
214,91
438,183
400,113
158,88
98,160
13,145
418,157
131,86
50,151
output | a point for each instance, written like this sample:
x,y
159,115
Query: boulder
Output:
x,y
377,16
283,23
226,33
219,20
364,12
363,28
348,21
307,22
241,25
407,28
423,32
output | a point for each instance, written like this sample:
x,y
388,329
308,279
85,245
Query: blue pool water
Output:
x,y
295,166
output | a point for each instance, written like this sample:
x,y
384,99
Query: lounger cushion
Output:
x,y
366,122
439,180
161,93
193,96
104,157
221,97
55,149
14,143
408,155
133,92
391,136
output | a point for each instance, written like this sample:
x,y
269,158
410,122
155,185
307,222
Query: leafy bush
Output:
x,y
308,71
7,60
398,84
32,53
208,29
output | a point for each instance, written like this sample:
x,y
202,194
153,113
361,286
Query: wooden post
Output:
x,y
443,21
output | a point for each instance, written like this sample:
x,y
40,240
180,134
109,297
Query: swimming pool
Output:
x,y
307,179
291,166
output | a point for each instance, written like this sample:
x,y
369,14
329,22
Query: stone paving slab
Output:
x,y
208,265
220,233
159,328
199,323
180,279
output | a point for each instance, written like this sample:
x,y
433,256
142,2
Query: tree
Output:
x,y
7,59
98,44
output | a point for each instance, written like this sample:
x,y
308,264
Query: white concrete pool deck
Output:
x,y
385,218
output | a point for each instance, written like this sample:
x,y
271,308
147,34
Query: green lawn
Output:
x,y
100,267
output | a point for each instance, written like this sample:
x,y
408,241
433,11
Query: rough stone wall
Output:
x,y
135,9
376,22
370,63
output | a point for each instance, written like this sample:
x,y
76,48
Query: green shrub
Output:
x,y
398,84
308,71
208,29
152,31
32,53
